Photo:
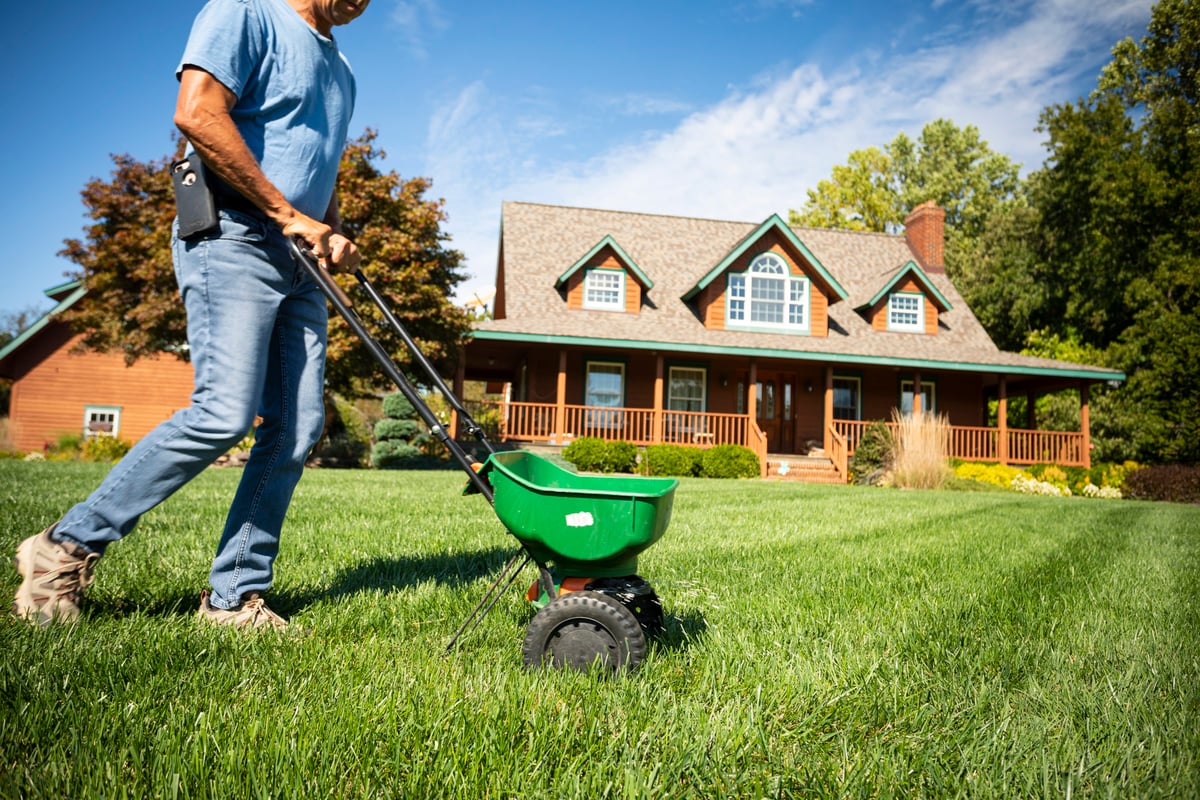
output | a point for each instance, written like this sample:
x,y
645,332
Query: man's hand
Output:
x,y
333,251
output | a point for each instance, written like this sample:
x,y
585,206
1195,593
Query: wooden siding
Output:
x,y
53,385
711,301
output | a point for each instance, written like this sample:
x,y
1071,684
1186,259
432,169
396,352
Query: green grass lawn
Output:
x,y
821,642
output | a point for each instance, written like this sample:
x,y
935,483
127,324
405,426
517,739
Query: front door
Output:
x,y
775,409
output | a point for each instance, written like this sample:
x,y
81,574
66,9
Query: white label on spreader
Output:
x,y
580,519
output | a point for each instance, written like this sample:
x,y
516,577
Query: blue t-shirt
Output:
x,y
295,92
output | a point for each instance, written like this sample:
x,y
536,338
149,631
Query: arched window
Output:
x,y
767,295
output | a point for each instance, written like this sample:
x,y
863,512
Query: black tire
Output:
x,y
583,630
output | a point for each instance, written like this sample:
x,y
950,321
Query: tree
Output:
x,y
132,304
1119,198
954,167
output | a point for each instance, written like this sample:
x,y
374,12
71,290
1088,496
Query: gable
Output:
x,y
911,293
604,279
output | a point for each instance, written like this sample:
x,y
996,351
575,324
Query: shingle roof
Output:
x,y
540,241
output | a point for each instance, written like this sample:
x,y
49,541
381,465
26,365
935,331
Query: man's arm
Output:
x,y
202,114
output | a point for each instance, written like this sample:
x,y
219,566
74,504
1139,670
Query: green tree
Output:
x,y
1119,199
132,304
952,166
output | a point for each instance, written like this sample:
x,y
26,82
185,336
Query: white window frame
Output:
x,y
753,292
601,418
672,399
101,415
597,290
857,396
928,392
894,312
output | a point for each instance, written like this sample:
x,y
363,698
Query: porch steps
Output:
x,y
802,469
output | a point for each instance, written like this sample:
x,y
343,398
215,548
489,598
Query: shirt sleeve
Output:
x,y
226,42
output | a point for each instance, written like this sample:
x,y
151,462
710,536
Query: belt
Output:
x,y
232,201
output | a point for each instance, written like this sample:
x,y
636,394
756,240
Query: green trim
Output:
x,y
912,267
774,221
1082,373
68,301
607,241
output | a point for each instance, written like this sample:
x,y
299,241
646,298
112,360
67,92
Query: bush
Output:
x,y
621,457
395,454
396,429
396,406
587,453
870,458
1174,483
729,461
994,474
105,448
672,460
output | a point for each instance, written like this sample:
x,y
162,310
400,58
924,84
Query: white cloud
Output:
x,y
417,20
757,151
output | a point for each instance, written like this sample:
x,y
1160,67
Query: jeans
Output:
x,y
256,326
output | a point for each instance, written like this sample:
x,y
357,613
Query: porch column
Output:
x,y
751,398
1002,421
917,409
460,377
656,434
826,439
1085,424
560,400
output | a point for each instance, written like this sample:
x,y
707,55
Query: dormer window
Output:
x,y
906,312
604,290
767,295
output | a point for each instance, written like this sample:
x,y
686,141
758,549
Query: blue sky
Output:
x,y
727,110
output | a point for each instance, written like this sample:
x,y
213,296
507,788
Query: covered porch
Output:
x,y
769,405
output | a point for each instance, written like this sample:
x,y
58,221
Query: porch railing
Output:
x,y
983,444
640,426
543,422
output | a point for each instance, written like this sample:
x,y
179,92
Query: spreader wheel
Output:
x,y
581,629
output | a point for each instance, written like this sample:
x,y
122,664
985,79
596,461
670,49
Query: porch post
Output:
x,y
1002,421
656,435
826,439
460,377
1085,424
560,400
751,397
917,409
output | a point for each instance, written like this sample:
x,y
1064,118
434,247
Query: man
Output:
x,y
265,99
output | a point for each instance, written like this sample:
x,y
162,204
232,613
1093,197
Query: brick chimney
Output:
x,y
925,230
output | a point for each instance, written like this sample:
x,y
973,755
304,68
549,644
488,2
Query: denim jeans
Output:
x,y
257,328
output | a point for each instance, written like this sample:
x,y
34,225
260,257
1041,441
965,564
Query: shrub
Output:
x,y
398,438
396,429
105,448
870,458
396,406
395,454
994,474
729,461
621,457
1174,483
918,458
587,453
1027,485
672,460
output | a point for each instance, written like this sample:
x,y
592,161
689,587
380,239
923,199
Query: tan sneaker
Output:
x,y
252,613
54,576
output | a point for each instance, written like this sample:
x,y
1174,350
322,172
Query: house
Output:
x,y
59,389
651,328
